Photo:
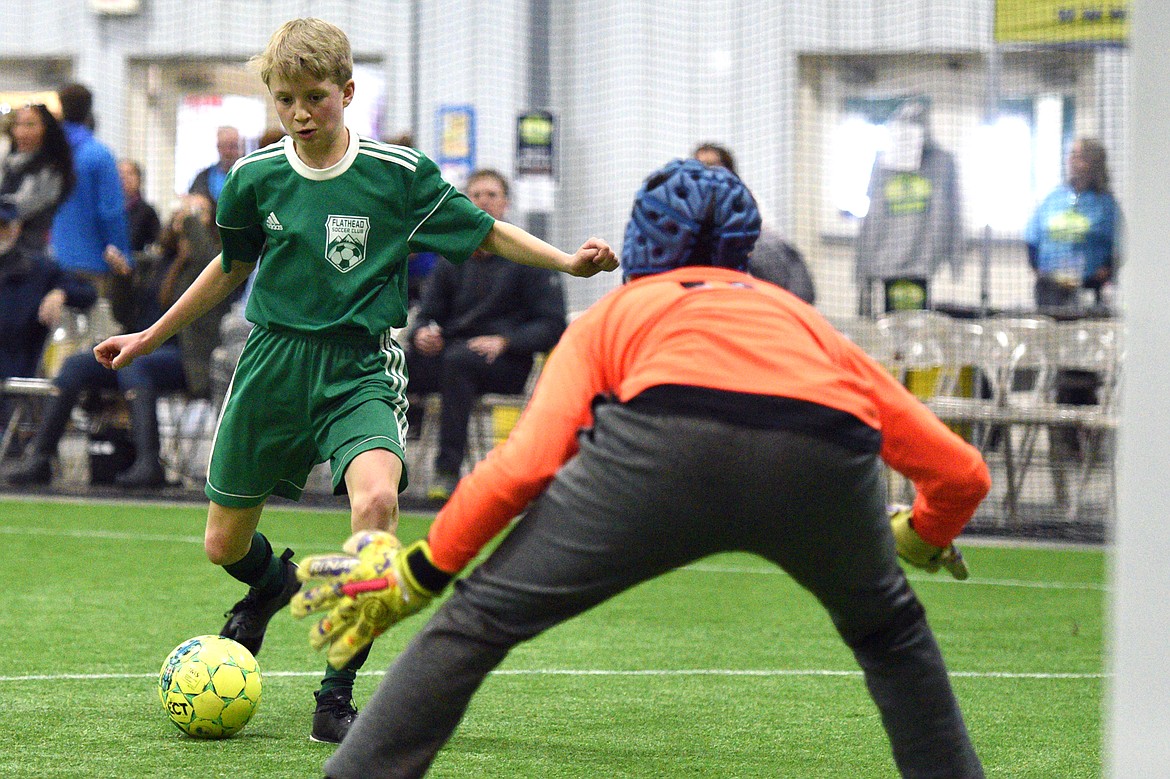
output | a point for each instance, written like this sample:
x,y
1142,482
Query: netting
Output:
x,y
901,146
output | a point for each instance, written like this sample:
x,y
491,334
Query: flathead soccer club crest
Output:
x,y
345,241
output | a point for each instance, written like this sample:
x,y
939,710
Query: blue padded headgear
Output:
x,y
687,213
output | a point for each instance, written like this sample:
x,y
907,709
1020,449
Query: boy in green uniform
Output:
x,y
330,218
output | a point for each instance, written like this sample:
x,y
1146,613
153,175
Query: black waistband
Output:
x,y
768,412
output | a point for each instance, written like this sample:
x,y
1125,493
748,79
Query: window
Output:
x,y
1014,161
1005,166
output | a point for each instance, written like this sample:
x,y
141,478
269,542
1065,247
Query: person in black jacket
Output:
x,y
479,327
33,290
145,226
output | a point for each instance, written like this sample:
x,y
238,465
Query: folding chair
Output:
x,y
492,418
25,396
185,426
1092,349
1013,357
495,414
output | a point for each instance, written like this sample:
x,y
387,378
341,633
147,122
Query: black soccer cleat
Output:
x,y
333,716
248,619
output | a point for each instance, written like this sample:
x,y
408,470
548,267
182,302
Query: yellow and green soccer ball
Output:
x,y
210,686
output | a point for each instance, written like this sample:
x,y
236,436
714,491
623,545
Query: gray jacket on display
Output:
x,y
914,223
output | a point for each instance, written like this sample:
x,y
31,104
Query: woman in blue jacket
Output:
x,y
1072,236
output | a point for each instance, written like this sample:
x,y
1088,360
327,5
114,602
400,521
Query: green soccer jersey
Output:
x,y
332,243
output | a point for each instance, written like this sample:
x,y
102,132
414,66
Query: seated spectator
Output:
x,y
234,329
270,136
142,216
715,155
773,259
33,291
182,365
36,175
479,325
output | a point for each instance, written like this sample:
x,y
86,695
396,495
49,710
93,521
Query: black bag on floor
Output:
x,y
111,451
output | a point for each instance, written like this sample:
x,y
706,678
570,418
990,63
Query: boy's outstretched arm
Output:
x,y
513,243
212,286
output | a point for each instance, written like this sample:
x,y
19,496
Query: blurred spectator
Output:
x,y
143,218
182,365
1072,241
1072,236
270,136
715,155
33,290
402,139
420,264
37,173
90,234
209,181
773,259
480,324
194,243
234,328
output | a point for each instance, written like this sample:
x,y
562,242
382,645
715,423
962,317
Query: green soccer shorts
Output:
x,y
295,401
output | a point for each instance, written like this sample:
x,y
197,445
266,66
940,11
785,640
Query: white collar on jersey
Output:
x,y
322,174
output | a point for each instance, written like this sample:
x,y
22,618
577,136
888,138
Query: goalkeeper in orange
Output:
x,y
693,411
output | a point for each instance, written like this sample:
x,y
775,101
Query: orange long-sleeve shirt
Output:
x,y
723,330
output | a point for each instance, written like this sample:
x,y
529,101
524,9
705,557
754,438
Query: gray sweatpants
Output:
x,y
647,494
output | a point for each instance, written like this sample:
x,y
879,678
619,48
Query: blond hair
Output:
x,y
306,47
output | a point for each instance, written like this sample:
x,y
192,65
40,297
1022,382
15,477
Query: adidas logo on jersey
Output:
x,y
272,222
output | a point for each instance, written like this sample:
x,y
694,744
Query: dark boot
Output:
x,y
333,716
146,471
35,467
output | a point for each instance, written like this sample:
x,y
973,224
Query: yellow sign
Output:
x,y
536,130
10,101
1062,21
115,7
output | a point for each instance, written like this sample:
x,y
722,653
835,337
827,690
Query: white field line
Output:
x,y
110,535
767,672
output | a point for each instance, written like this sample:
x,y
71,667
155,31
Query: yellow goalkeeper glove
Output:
x,y
921,554
366,590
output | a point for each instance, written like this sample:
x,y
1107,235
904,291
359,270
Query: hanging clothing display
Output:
x,y
914,222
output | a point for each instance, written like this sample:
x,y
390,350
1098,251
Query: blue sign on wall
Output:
x,y
455,141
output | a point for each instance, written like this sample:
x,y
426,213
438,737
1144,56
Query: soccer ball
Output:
x,y
209,686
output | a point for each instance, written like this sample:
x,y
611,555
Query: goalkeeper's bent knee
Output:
x,y
907,619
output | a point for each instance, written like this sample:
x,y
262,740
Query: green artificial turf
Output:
x,y
724,669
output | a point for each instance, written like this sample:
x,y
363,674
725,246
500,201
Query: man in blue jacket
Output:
x,y
90,233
